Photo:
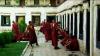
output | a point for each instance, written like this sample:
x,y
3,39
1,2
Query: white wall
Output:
x,y
25,11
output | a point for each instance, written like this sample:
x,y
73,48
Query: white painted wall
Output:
x,y
25,11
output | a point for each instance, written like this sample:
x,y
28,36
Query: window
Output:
x,y
72,24
7,2
68,22
98,28
63,21
5,20
36,2
81,26
75,24
22,2
29,2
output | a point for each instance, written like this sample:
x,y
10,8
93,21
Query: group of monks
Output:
x,y
52,30
29,33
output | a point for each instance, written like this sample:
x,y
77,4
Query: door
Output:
x,y
36,20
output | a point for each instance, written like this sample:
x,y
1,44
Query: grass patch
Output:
x,y
13,49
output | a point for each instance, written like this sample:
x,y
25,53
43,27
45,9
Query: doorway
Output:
x,y
36,20
50,18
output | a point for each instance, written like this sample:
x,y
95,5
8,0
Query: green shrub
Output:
x,y
22,26
2,41
5,38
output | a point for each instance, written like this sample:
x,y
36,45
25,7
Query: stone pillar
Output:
x,y
70,22
85,7
91,27
66,21
94,40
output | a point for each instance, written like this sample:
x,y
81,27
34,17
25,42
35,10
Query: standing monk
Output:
x,y
47,31
15,30
54,33
31,33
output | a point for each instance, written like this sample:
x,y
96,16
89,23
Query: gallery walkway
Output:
x,y
46,49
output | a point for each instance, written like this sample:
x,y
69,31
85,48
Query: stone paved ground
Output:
x,y
46,49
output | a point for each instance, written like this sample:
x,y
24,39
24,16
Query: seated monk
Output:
x,y
72,44
65,35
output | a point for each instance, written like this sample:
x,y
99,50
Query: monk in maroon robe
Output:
x,y
47,31
72,44
54,33
41,27
15,30
65,35
32,34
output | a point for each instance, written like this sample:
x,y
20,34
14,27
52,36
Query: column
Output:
x,y
94,31
62,21
73,23
78,20
84,28
66,22
91,27
70,23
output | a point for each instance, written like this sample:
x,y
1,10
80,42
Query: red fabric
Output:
x,y
15,30
31,34
65,35
54,34
73,46
47,31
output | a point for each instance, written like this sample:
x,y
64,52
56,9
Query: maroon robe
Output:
x,y
54,33
15,30
65,35
73,46
32,34
47,31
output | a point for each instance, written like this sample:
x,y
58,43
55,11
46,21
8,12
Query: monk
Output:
x,y
72,44
41,27
54,33
15,30
31,33
65,35
47,31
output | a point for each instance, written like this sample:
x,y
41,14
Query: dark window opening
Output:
x,y
36,2
68,22
5,20
75,24
50,18
63,21
7,2
98,28
88,33
81,26
22,2
36,20
71,24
